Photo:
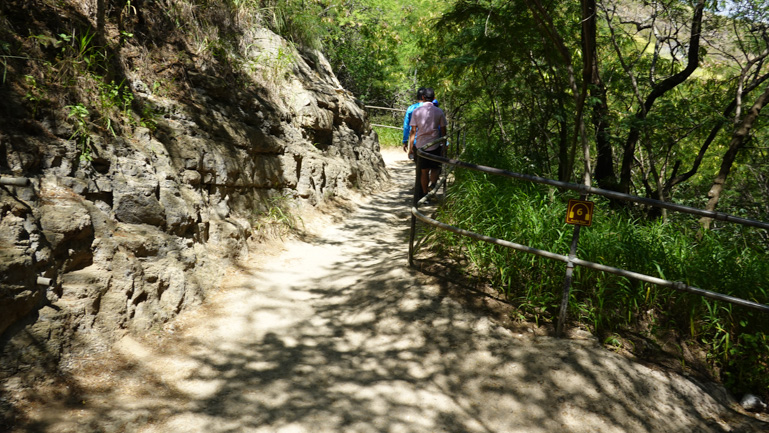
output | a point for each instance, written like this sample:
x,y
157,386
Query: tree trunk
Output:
x,y
739,137
658,91
589,74
546,23
101,12
675,178
564,170
604,167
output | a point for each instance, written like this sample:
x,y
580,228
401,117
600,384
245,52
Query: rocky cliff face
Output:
x,y
134,213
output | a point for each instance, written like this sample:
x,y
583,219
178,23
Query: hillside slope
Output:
x,y
154,149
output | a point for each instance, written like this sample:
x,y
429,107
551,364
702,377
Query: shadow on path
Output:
x,y
338,335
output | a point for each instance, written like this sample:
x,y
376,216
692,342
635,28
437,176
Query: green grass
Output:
x,y
389,137
730,261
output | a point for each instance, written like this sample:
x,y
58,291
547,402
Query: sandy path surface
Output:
x,y
336,334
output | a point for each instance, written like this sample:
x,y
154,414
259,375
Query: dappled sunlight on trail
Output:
x,y
337,334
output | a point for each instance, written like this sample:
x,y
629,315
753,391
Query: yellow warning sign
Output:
x,y
580,212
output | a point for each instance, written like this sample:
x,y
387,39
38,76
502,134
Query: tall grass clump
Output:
x,y
389,137
516,211
296,20
729,260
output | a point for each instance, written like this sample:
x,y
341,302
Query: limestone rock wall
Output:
x,y
145,223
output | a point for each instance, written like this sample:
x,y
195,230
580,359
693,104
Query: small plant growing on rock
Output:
x,y
80,114
114,96
34,94
277,220
5,50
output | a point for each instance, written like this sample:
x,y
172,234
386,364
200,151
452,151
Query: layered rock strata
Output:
x,y
140,225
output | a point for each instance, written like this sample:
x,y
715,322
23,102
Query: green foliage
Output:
x,y
389,137
114,97
509,210
747,363
149,118
372,46
277,219
5,51
35,94
79,114
731,260
496,69
73,68
296,20
507,78
80,54
272,66
76,56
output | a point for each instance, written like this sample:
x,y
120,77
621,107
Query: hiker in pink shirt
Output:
x,y
428,124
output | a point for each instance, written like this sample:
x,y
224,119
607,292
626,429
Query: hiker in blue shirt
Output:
x,y
407,118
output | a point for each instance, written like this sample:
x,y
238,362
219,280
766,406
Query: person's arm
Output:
x,y
412,137
406,127
442,133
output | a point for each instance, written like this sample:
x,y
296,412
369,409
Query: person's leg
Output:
x,y
435,169
424,180
434,174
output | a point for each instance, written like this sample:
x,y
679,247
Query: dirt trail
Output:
x,y
336,334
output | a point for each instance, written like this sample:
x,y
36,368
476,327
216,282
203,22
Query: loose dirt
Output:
x,y
333,332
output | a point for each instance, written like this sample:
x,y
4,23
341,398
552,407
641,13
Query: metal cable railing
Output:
x,y
374,107
585,190
571,260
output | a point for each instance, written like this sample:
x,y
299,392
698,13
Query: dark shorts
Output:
x,y
430,164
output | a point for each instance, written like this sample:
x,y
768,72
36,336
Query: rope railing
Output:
x,y
585,190
386,126
592,265
385,108
395,110
571,260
